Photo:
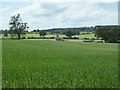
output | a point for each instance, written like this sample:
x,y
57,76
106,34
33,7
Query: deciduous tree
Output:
x,y
17,27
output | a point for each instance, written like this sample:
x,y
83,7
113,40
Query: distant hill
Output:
x,y
62,30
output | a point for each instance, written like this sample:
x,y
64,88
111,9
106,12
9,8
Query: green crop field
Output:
x,y
57,64
0,64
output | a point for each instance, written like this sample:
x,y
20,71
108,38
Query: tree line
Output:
x,y
109,33
63,30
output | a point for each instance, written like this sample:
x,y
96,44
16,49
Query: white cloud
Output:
x,y
60,0
52,13
3,20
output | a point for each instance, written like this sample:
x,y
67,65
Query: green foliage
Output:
x,y
42,33
63,30
42,64
17,26
69,33
108,33
6,33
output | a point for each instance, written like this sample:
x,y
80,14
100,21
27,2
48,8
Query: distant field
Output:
x,y
85,36
57,64
80,36
37,35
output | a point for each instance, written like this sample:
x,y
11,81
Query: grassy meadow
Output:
x,y
0,64
58,64
91,35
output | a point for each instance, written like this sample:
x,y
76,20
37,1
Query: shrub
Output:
x,y
23,37
66,38
86,38
88,33
99,41
83,33
52,37
34,38
87,41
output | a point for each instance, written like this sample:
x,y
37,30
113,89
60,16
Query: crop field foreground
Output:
x,y
59,64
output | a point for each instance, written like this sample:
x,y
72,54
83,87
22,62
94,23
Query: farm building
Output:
x,y
57,38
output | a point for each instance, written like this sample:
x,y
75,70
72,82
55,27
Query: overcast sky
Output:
x,y
44,14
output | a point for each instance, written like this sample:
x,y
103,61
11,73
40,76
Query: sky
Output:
x,y
47,14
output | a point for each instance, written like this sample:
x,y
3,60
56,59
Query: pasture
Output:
x,y
57,64
91,35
